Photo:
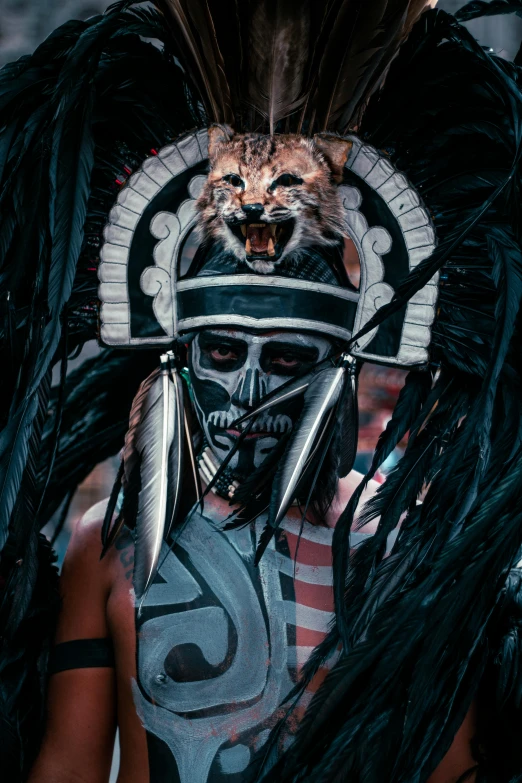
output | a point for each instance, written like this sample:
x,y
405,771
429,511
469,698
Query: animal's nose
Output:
x,y
253,210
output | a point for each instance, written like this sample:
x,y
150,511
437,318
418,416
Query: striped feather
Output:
x,y
152,438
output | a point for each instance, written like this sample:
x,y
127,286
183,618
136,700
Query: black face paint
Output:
x,y
231,371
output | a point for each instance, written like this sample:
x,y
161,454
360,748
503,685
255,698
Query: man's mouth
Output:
x,y
263,241
250,436
266,425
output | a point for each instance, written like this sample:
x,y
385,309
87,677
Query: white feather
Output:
x,y
320,396
153,439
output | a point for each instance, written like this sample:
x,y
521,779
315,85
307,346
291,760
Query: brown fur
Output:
x,y
314,205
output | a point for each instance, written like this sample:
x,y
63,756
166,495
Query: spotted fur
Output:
x,y
314,205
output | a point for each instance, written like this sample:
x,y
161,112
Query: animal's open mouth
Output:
x,y
263,241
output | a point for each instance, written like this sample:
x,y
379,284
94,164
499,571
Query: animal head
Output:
x,y
268,196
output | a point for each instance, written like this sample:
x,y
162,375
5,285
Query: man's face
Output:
x,y
231,371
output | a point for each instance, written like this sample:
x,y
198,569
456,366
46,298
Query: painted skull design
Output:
x,y
231,371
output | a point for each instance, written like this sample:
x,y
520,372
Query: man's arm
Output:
x,y
81,720
459,759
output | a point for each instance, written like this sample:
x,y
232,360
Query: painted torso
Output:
x,y
220,643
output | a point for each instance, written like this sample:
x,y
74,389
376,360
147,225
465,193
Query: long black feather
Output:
x,y
106,536
67,135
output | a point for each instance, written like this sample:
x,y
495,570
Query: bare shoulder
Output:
x,y
83,558
85,581
345,490
86,534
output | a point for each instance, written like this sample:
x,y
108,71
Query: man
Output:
x,y
201,670
127,227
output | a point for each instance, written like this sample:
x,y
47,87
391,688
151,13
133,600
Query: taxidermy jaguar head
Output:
x,y
267,197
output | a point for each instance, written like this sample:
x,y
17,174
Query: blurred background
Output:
x,y
24,24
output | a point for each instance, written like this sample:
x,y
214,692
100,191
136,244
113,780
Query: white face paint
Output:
x,y
231,371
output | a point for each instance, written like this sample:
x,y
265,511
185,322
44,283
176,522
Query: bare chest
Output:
x,y
219,644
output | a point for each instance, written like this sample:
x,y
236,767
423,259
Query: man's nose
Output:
x,y
254,210
249,390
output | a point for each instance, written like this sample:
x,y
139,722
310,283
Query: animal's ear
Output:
x,y
218,135
336,150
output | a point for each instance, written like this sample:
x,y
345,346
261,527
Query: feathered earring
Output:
x,y
156,443
330,388
149,439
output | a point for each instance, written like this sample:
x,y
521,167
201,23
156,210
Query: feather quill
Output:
x,y
177,447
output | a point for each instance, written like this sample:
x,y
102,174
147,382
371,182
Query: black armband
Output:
x,y
81,654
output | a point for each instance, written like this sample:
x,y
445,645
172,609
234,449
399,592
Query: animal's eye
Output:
x,y
286,181
234,180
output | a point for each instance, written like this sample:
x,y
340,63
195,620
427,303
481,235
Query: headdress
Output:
x,y
430,192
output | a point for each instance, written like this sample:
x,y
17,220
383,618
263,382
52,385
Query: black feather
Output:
x,y
108,536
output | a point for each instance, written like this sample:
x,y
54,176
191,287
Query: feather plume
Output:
x,y
321,395
308,438
278,53
409,404
193,19
345,678
258,64
149,440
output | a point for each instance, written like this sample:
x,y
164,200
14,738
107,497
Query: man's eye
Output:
x,y
234,180
286,181
222,354
287,361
